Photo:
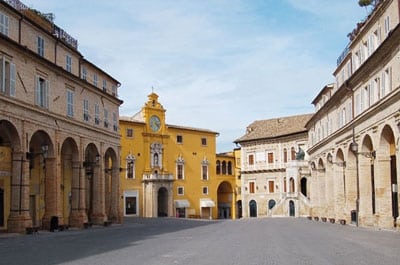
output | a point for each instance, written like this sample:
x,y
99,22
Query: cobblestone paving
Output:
x,y
184,241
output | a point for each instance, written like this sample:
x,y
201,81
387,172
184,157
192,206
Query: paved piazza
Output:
x,y
182,241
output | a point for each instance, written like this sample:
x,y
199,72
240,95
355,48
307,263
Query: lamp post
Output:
x,y
354,149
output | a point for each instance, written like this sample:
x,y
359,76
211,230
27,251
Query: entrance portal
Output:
x,y
253,208
291,208
162,201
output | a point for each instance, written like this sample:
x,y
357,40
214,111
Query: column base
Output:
x,y
19,223
98,219
78,219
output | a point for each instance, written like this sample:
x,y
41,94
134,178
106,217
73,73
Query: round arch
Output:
x,y
111,169
253,208
225,198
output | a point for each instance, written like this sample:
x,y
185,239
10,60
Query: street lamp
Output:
x,y
354,149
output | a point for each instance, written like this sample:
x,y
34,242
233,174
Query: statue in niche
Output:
x,y
155,160
300,154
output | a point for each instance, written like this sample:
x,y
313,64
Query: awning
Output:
x,y
182,204
207,203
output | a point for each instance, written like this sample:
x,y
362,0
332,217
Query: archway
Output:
x,y
225,193
93,184
387,168
239,209
162,202
303,184
70,179
43,198
253,208
291,208
111,186
340,184
367,178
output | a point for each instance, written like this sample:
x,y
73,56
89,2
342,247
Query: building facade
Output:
x,y
274,172
171,170
354,134
59,136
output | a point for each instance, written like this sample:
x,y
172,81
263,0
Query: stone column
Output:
x,y
365,214
383,192
19,217
98,215
115,196
76,218
51,192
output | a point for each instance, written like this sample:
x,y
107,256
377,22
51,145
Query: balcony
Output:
x,y
158,177
263,166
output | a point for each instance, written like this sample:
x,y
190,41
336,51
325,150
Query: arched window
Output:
x,y
218,167
292,154
229,168
224,167
291,185
285,155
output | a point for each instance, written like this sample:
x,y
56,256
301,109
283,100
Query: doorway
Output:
x,y
253,208
162,202
291,208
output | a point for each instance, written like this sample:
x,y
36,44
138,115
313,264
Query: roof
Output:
x,y
272,128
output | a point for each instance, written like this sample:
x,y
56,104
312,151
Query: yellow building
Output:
x,y
170,170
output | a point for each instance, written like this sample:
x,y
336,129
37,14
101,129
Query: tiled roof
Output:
x,y
272,128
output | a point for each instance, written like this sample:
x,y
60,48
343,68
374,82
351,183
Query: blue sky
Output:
x,y
216,64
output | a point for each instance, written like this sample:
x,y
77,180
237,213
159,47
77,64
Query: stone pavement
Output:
x,y
186,241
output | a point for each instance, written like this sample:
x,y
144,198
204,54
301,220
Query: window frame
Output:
x,y
70,103
180,190
7,77
41,92
4,24
68,63
40,45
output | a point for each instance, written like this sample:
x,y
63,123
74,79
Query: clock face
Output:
x,y
155,123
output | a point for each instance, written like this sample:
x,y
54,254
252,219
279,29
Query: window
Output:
x,y
105,118
387,25
130,167
42,92
114,90
224,167
4,24
129,132
179,139
97,114
218,167
7,77
86,110
84,73
70,103
95,81
251,159
40,46
180,170
203,141
105,85
181,190
386,82
270,158
271,186
205,190
115,122
293,152
204,169
68,63
251,187
229,168
285,158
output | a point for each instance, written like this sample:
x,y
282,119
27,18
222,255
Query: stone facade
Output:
x,y
273,181
354,134
60,130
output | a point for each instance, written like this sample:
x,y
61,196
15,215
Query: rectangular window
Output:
x,y
70,103
179,171
105,118
205,190
105,85
130,169
204,172
270,158
387,25
129,132
115,122
68,63
251,159
42,92
285,157
95,81
181,190
4,24
7,77
86,110
97,114
251,187
271,186
84,73
179,139
114,91
40,46
204,141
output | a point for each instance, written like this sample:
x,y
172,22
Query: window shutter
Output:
x,y
46,94
37,91
2,76
12,80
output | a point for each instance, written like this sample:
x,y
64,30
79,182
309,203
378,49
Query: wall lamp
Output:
x,y
354,149
31,155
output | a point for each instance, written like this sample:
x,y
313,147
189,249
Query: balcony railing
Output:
x,y
150,177
343,55
48,22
